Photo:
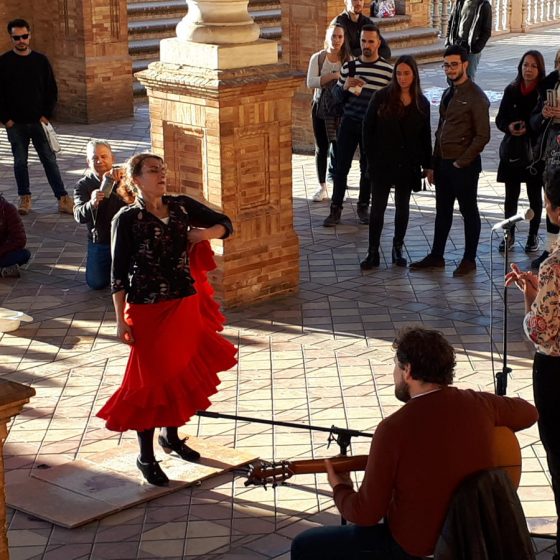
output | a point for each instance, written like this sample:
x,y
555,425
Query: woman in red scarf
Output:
x,y
520,98
165,312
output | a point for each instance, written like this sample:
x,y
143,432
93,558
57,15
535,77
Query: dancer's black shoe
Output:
x,y
183,450
152,472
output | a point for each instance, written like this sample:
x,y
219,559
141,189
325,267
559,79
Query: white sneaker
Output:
x,y
320,195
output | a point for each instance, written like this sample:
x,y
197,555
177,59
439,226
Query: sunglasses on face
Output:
x,y
25,36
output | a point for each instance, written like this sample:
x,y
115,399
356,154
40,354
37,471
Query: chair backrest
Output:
x,y
485,521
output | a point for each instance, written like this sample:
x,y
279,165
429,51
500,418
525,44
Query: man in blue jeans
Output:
x,y
462,133
98,196
359,80
28,94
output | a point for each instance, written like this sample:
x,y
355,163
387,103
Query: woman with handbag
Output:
x,y
322,75
166,314
520,98
398,148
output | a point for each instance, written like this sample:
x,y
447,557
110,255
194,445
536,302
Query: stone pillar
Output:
x,y
304,23
518,13
87,44
221,117
419,12
12,398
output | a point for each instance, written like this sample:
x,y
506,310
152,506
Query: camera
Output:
x,y
518,126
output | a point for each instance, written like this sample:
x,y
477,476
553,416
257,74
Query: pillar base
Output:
x,y
219,57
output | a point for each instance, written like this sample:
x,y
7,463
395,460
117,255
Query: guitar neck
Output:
x,y
340,464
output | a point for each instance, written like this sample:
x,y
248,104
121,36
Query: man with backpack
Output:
x,y
359,80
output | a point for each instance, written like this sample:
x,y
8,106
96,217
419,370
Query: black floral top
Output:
x,y
150,258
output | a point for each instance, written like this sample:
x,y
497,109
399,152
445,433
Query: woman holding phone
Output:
x,y
520,98
323,72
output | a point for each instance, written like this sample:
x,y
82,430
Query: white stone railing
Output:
x,y
513,16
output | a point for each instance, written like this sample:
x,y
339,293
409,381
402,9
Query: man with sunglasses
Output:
x,y
463,131
28,95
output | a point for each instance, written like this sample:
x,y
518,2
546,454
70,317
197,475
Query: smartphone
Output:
x,y
107,186
551,97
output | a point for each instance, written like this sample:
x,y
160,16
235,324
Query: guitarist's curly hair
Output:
x,y
431,357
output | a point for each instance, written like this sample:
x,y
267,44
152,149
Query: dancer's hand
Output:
x,y
124,333
335,478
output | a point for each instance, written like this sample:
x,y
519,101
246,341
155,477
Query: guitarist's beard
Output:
x,y
402,392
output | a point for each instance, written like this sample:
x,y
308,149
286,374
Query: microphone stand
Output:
x,y
502,376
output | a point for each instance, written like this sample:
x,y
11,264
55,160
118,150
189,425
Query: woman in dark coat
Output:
x,y
520,98
398,147
543,128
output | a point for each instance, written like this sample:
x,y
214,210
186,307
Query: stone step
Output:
x,y
144,10
392,24
413,36
163,28
422,53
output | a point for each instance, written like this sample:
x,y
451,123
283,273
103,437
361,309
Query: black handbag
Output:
x,y
328,105
516,151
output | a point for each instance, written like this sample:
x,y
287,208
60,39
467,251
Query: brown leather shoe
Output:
x,y
24,206
429,261
465,267
65,205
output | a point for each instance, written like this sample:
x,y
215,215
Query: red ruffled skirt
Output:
x,y
173,364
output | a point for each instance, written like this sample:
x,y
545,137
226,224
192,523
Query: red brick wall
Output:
x,y
87,44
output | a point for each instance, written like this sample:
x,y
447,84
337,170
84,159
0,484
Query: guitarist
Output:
x,y
418,457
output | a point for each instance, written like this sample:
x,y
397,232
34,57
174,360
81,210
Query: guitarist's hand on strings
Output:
x,y
335,478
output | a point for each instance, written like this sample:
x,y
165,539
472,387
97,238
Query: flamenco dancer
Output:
x,y
165,313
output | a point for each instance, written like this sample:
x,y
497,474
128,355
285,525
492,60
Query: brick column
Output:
x,y
87,44
12,398
419,11
226,137
304,23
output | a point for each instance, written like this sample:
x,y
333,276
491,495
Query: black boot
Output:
x,y
396,254
371,260
334,217
152,472
179,446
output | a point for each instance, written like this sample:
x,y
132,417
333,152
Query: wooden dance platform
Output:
x,y
81,491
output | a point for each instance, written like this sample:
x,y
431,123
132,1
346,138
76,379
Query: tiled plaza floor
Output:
x,y
320,357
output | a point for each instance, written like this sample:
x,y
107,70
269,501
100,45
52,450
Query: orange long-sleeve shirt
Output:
x,y
420,454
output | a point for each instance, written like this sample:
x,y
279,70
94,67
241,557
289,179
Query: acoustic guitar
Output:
x,y
507,455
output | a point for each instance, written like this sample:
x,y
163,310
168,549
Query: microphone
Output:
x,y
506,224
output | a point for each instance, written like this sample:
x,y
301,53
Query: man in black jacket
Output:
x,y
353,20
28,94
470,27
96,201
